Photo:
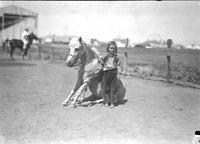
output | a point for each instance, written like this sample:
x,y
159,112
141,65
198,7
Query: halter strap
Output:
x,y
82,53
72,56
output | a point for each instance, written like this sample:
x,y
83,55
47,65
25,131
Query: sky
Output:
x,y
105,20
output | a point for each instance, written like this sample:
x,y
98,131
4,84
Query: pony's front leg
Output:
x,y
79,82
80,91
64,103
11,53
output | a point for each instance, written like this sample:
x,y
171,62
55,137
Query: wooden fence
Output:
x,y
168,56
52,54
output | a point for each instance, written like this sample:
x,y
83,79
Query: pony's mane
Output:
x,y
88,50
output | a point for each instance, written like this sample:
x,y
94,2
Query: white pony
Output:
x,y
89,73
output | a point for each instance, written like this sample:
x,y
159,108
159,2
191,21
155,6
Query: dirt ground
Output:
x,y
31,93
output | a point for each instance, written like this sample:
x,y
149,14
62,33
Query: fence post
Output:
x,y
126,57
52,49
169,44
29,53
39,49
52,52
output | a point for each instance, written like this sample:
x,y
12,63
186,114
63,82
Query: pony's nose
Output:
x,y
69,63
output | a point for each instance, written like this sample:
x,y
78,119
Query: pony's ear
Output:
x,y
80,39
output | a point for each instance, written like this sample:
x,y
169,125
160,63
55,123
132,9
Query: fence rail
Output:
x,y
52,54
168,63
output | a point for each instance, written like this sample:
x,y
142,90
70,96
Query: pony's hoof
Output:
x,y
72,105
112,106
101,104
106,105
65,104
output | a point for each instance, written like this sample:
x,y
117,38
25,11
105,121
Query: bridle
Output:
x,y
73,56
77,57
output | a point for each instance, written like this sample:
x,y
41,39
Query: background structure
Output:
x,y
13,21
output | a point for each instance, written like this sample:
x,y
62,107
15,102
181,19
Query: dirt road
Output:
x,y
31,93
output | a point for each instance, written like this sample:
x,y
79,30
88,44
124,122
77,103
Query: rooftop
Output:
x,y
11,15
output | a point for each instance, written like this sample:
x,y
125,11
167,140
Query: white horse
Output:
x,y
89,73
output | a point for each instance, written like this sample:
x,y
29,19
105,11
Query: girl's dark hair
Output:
x,y
112,43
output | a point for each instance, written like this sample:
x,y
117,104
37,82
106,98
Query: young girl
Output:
x,y
109,62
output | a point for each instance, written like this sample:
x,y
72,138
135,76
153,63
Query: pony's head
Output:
x,y
75,51
32,37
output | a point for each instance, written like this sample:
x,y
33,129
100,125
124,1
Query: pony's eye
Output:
x,y
76,49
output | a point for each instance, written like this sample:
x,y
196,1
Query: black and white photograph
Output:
x,y
100,72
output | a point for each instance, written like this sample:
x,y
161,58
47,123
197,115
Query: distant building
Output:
x,y
189,47
140,46
154,44
13,21
132,44
179,46
120,42
197,47
95,42
151,44
48,40
193,46
57,39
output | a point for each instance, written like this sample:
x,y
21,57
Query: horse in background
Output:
x,y
89,73
18,43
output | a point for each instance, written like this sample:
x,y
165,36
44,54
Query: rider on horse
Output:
x,y
25,38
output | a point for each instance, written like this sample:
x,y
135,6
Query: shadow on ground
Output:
x,y
91,101
13,63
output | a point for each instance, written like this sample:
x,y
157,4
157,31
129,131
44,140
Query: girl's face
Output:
x,y
111,49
